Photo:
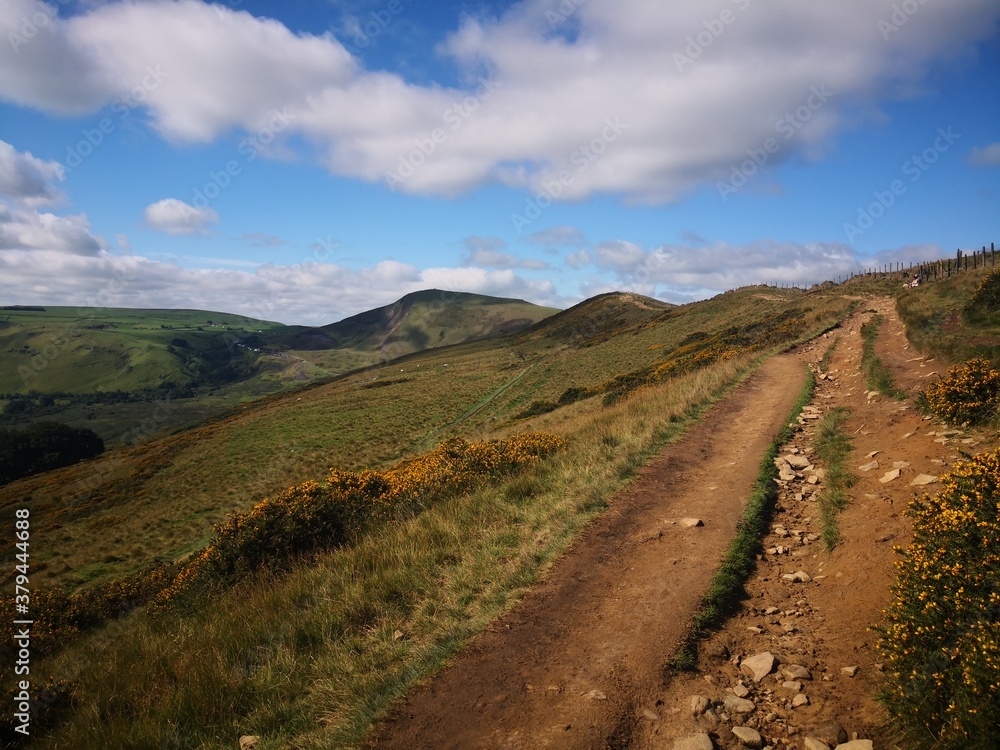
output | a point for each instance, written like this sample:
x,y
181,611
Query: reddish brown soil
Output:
x,y
581,661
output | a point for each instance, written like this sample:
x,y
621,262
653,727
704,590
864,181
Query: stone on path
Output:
x,y
890,475
797,462
758,666
691,522
799,576
868,466
922,479
830,733
736,705
749,737
796,672
740,690
811,743
849,671
694,742
699,705
800,700
857,745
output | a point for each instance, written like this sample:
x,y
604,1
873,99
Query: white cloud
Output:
x,y
486,252
552,95
29,230
579,259
176,217
28,179
693,272
563,236
985,156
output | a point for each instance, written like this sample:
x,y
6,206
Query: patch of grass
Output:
x,y
834,447
828,354
877,375
740,561
942,319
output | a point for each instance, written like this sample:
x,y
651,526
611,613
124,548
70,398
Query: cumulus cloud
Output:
x,y
29,230
27,179
985,156
633,97
176,217
684,272
562,236
486,252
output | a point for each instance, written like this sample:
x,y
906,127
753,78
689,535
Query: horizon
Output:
x,y
324,160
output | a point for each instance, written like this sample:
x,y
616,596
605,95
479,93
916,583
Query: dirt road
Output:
x,y
584,652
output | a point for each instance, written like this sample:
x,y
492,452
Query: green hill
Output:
x,y
86,350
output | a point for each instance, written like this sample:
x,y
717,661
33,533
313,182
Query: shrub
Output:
x,y
942,640
970,394
985,301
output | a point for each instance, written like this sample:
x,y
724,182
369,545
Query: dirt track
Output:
x,y
585,650
580,662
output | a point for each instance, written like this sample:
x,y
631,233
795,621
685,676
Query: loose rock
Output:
x,y
758,666
796,672
856,745
699,705
800,700
249,742
923,479
811,743
889,476
749,737
736,705
694,742
691,522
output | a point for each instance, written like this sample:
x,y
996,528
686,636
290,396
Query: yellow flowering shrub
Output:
x,y
312,516
970,394
942,639
985,301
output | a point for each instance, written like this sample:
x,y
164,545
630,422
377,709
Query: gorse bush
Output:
x,y
311,517
970,394
942,640
277,531
985,301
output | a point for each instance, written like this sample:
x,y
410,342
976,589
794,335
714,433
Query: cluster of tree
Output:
x,y
43,446
33,404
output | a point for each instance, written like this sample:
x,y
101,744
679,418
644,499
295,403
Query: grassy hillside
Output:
x,y
203,363
81,350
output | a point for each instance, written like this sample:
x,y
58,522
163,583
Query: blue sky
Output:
x,y
303,161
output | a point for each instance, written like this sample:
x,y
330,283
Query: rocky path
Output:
x,y
580,663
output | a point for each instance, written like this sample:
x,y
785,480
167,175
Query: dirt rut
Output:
x,y
578,662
